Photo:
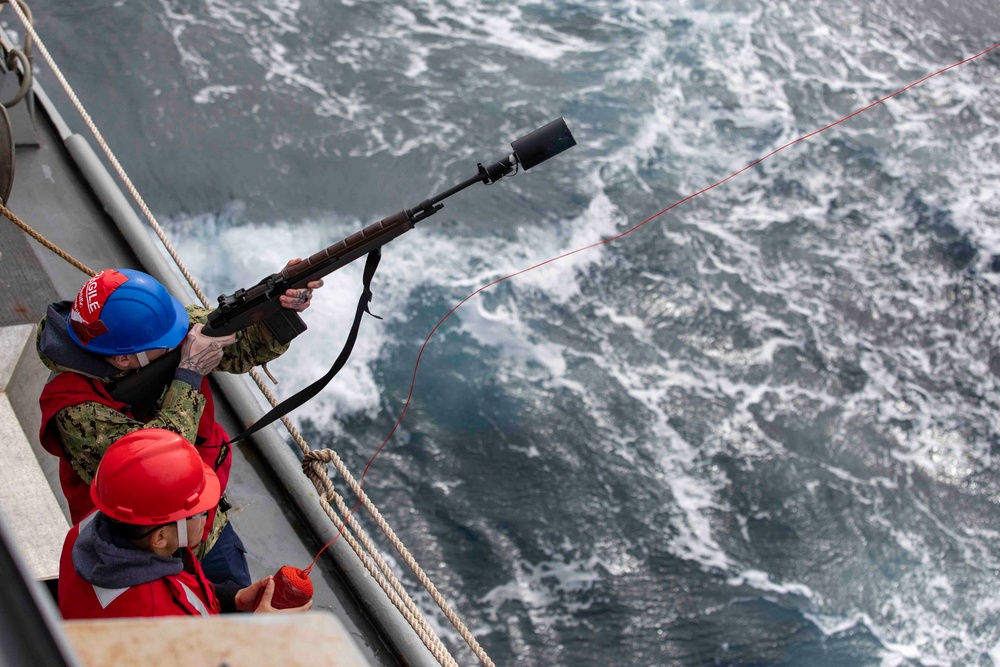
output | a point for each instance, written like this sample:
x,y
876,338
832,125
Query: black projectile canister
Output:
x,y
545,142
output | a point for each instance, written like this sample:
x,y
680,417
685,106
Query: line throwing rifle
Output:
x,y
143,389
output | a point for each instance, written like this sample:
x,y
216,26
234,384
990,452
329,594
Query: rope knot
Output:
x,y
314,464
317,456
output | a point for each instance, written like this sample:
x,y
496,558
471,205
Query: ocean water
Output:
x,y
757,430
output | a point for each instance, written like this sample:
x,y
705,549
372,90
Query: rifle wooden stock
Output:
x,y
143,389
260,303
346,251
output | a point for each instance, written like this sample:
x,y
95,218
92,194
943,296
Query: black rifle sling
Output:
x,y
309,392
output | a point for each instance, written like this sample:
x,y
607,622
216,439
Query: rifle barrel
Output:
x,y
530,150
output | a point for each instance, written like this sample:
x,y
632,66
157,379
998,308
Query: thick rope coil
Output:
x,y
314,466
368,551
330,456
437,648
415,619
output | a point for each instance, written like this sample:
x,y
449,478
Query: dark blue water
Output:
x,y
759,430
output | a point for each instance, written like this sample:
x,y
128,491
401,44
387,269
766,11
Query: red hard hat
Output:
x,y
153,476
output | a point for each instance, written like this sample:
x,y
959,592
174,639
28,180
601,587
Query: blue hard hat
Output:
x,y
122,311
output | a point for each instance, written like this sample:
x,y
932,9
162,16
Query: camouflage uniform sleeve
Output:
x,y
254,346
221,519
88,429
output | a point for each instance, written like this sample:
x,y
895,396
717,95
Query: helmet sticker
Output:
x,y
85,316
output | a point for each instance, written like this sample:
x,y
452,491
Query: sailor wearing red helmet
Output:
x,y
120,321
132,556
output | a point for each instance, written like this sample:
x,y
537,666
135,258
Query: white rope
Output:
x,y
394,591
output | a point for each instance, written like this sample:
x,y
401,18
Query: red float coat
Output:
x,y
68,388
187,593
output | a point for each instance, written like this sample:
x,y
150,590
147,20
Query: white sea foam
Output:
x,y
478,23
209,93
840,291
538,586
762,581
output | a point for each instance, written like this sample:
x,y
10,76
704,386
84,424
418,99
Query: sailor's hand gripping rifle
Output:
x,y
143,389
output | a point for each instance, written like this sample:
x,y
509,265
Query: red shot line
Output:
x,y
628,231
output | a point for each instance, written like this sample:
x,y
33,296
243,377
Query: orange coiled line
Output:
x,y
292,588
